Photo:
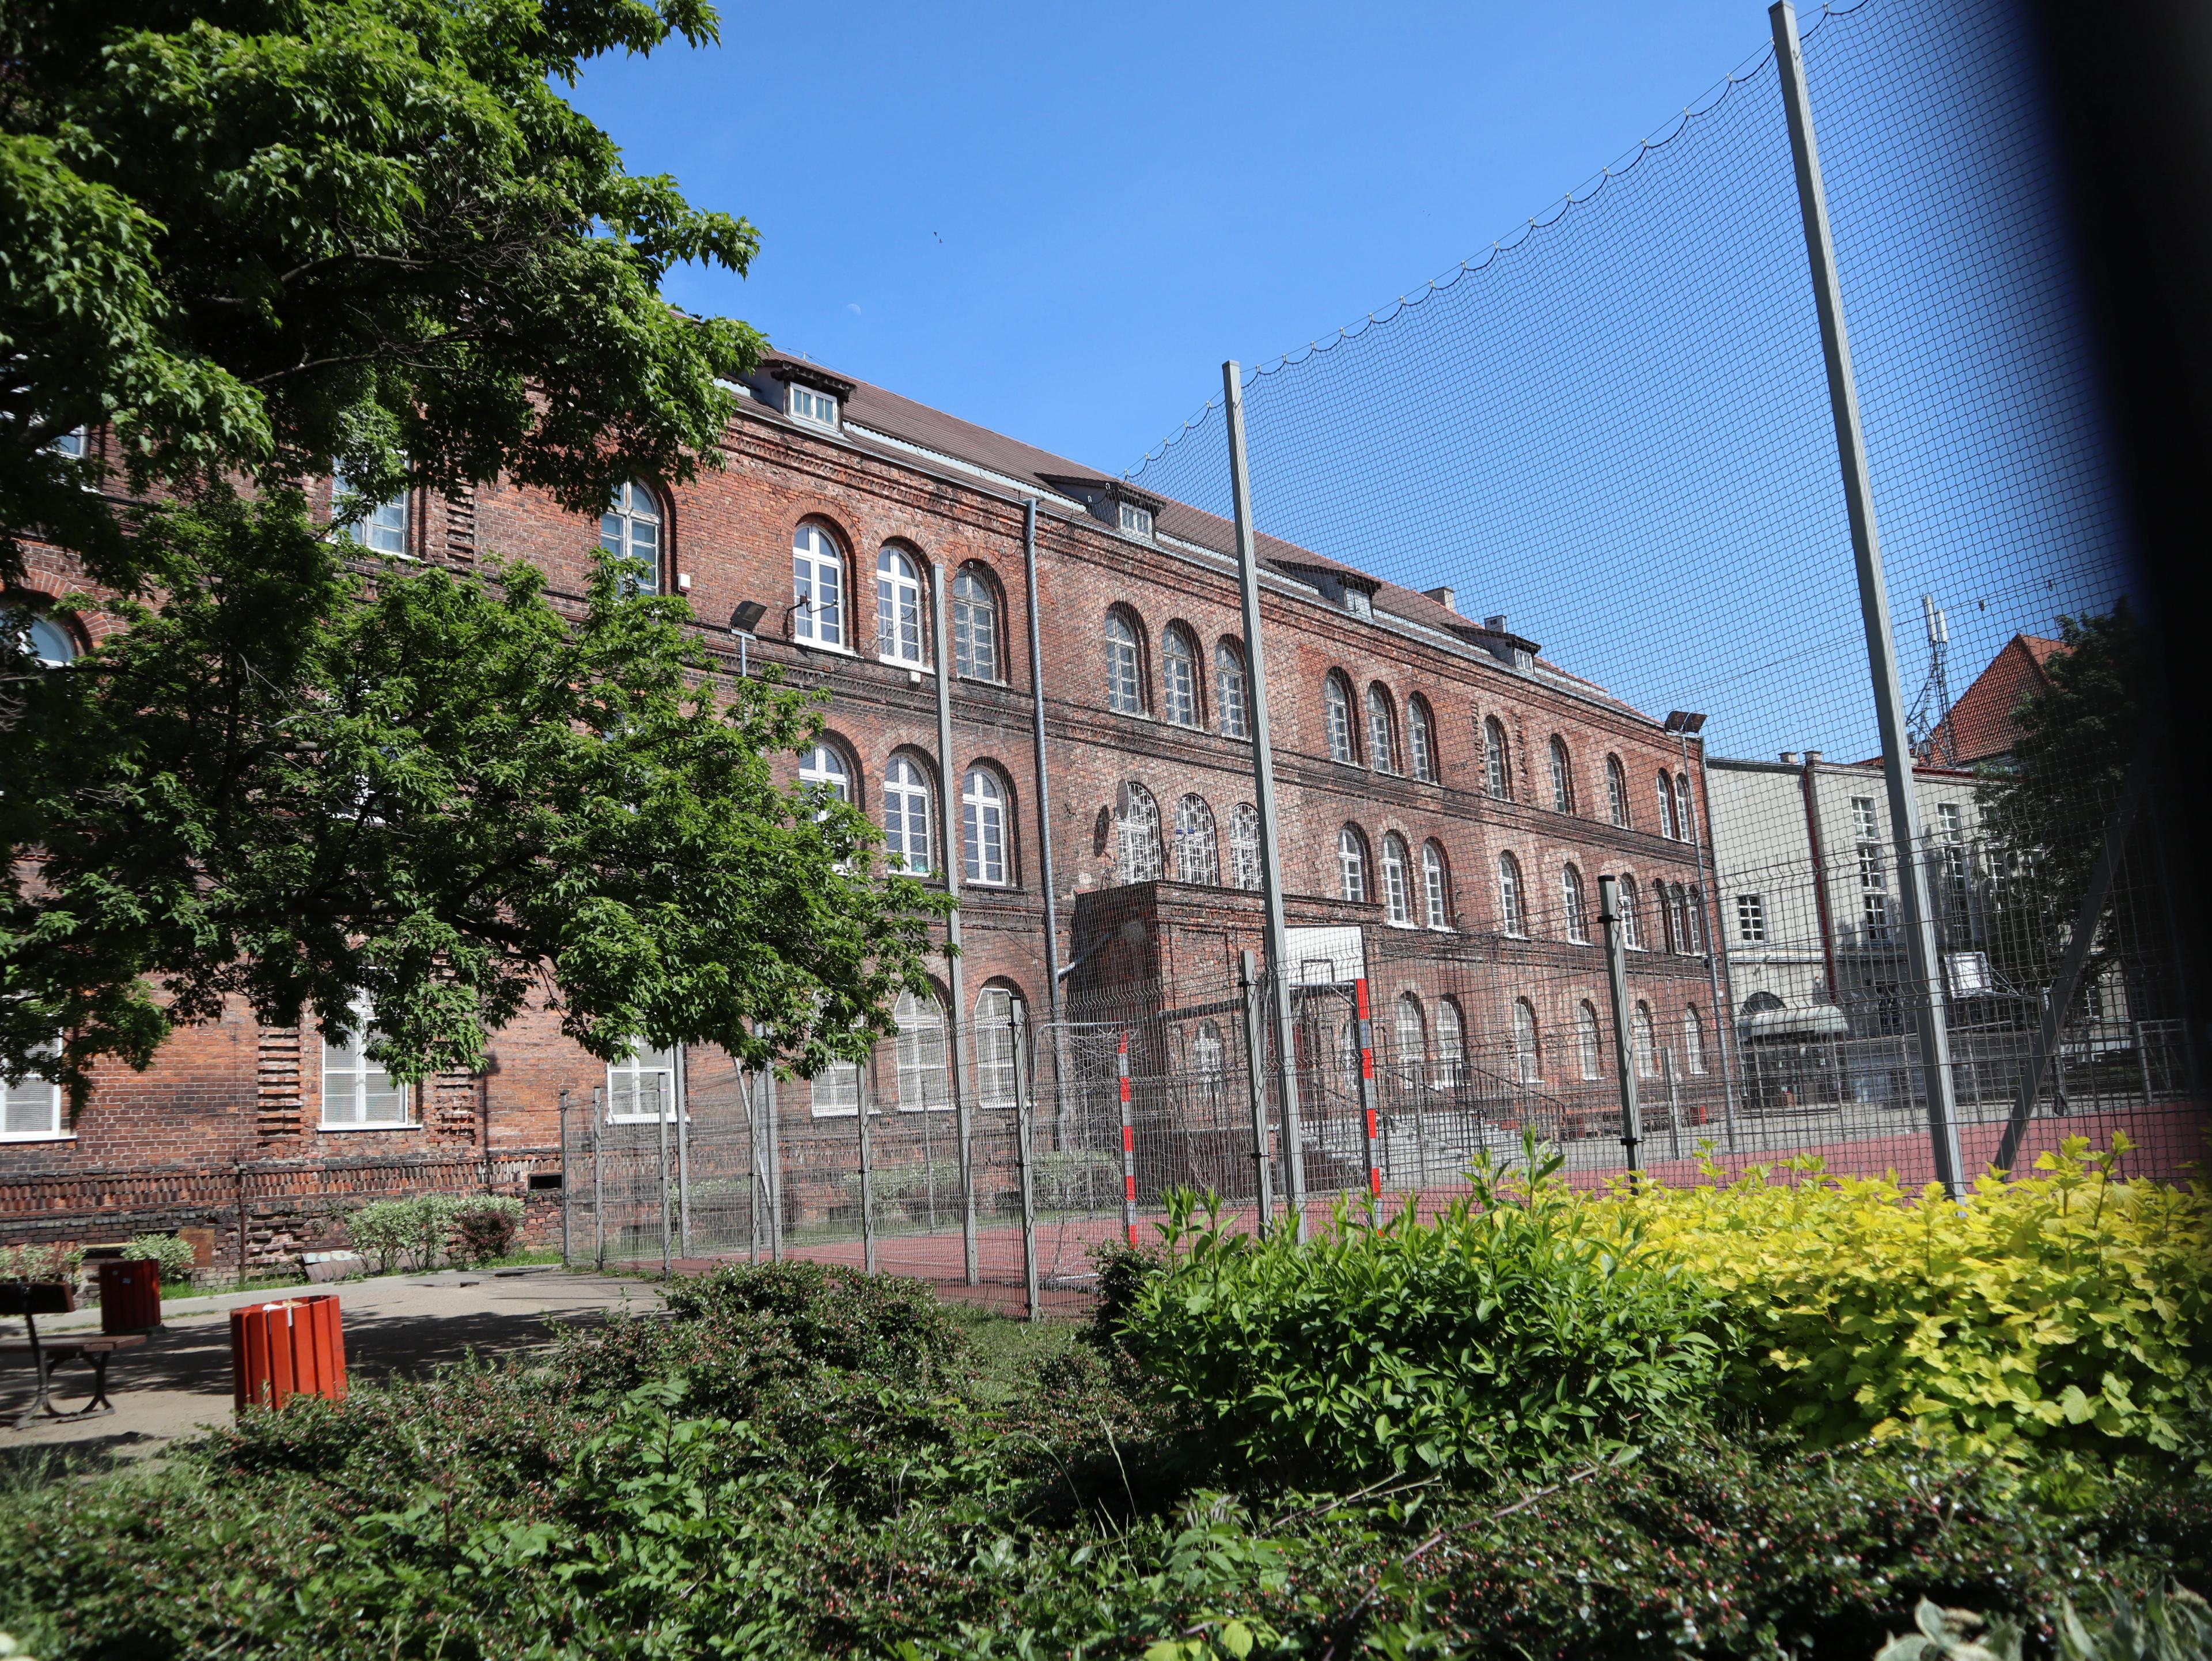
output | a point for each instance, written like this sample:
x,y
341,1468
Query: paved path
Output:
x,y
403,1323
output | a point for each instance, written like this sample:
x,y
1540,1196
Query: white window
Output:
x,y
1137,828
1685,814
1352,864
817,588
1874,915
1244,846
1510,918
42,638
1950,822
1207,1054
71,444
899,608
630,529
983,826
997,1054
1572,907
1751,918
974,626
1397,882
1412,1041
1451,1045
1632,925
1232,692
1124,671
1336,699
1616,792
1137,522
30,1111
836,1091
1198,856
824,767
381,529
1382,731
1866,822
1667,826
1436,895
923,1085
1179,678
907,818
1420,740
1497,761
1588,1039
808,404
1563,779
1693,1039
356,1090
642,1089
1645,1041
1527,1049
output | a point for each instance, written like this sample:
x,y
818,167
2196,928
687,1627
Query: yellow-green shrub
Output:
x,y
2070,1309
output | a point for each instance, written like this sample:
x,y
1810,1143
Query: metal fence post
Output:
x,y
950,779
1025,1151
598,1185
1263,791
774,1176
1921,952
1063,1125
660,1125
748,1095
683,1151
1367,1114
1256,1082
1616,975
1128,1144
567,1179
1674,1104
1714,923
867,1169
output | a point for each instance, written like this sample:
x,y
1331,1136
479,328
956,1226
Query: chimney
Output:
x,y
1812,757
1496,623
1789,756
1443,597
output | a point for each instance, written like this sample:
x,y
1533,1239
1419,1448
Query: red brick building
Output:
x,y
1443,784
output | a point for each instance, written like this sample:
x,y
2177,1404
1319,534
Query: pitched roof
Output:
x,y
1981,725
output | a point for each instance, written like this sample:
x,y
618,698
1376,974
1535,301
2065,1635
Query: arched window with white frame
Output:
x,y
1589,1040
358,1093
1397,881
382,527
1511,918
1352,864
642,1086
818,588
1336,711
1667,805
1411,1042
1244,846
1125,666
1137,833
1232,691
1421,738
1563,777
1573,910
923,1087
1684,816
998,1049
1644,1041
907,818
1381,730
1497,761
899,630
1693,1038
1436,886
1616,792
1631,924
1179,677
1527,1043
1451,1045
975,626
983,828
1198,855
824,767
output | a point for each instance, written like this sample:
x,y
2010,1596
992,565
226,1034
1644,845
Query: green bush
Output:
x,y
38,1262
1518,1326
398,1229
173,1256
484,1226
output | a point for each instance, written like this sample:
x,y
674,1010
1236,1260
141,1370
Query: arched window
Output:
x,y
898,607
1572,907
1563,777
1497,761
1421,738
1352,863
1125,677
906,817
1244,846
922,1085
1761,1003
1397,881
818,588
1231,692
46,639
1382,731
1412,1041
975,626
1616,792
356,1090
1136,826
983,826
824,766
1632,925
1588,1039
1693,1039
642,1086
1645,1042
1336,705
1436,887
1697,918
1527,1046
997,1054
1198,855
1684,817
1662,902
1179,678
1667,805
1510,916
1451,1045
382,529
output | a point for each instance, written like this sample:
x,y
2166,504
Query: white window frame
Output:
x,y
1244,846
1125,666
55,650
1527,1043
1410,1039
1693,1041
1233,691
1574,904
1616,793
1751,919
838,777
1137,836
631,528
1563,777
998,1055
901,635
625,1076
1178,680
1198,846
815,557
381,529
1336,701
924,1084
1135,520
1512,910
1451,1045
908,825
1436,887
1382,731
807,404
1589,1039
354,1063
1631,927
975,628
1352,865
1497,760
1866,821
72,444
1667,823
983,853
23,1098
1397,882
1643,1041
1420,741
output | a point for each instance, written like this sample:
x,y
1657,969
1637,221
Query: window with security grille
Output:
x,y
1198,858
1137,827
1528,1047
1751,918
1573,912
1588,1040
1336,699
1233,691
1411,1042
1244,846
923,1087
1125,692
1451,1045
997,1047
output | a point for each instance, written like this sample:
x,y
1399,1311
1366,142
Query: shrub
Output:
x,y
173,1256
394,1229
1518,1325
882,1325
485,1225
2070,1309
38,1262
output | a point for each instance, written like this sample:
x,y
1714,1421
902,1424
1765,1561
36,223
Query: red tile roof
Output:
x,y
1980,727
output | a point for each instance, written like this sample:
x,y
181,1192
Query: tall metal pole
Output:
x,y
956,1018
860,1071
683,1151
598,1186
660,1125
1263,788
1046,875
1714,921
1873,608
773,1178
1255,1083
1368,1119
1616,977
568,1183
1025,1152
756,1219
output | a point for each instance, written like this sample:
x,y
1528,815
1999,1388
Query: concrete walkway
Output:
x,y
180,1380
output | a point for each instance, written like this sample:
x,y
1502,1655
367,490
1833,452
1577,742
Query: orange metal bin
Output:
x,y
290,1347
130,1295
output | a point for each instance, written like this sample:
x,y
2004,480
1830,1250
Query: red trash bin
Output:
x,y
130,1295
290,1347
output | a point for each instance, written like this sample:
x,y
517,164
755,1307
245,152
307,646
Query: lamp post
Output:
x,y
742,622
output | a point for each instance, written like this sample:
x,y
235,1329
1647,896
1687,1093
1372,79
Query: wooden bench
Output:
x,y
32,1298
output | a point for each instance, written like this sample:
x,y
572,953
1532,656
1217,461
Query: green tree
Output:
x,y
257,239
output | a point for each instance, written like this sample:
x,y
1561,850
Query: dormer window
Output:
x,y
808,404
1136,521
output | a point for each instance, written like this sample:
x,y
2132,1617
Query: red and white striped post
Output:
x,y
1128,1145
1367,1098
